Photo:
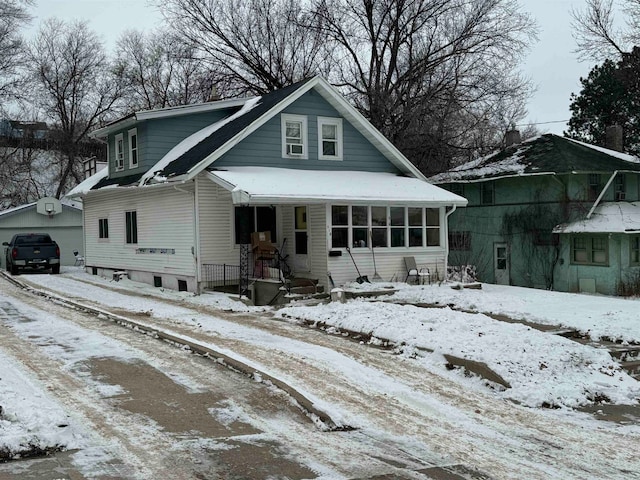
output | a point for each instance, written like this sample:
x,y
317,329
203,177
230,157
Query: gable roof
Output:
x,y
197,154
547,154
200,150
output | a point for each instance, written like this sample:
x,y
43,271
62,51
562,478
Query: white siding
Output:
x,y
215,215
318,243
165,221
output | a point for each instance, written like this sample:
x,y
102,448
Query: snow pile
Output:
x,y
30,420
598,316
542,369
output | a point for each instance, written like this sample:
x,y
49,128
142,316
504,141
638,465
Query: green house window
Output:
x,y
635,250
589,250
487,193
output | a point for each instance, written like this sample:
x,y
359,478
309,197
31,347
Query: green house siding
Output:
x,y
264,146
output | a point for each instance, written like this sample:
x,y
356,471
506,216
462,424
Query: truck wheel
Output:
x,y
14,270
55,269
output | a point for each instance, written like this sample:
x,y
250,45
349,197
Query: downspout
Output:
x,y
446,240
196,229
595,204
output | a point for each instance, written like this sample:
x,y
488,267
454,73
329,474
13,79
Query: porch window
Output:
x,y
131,227
119,152
415,227
589,250
398,223
635,249
433,227
339,226
254,219
103,228
398,227
329,138
379,226
294,136
360,222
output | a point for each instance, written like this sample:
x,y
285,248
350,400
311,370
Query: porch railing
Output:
x,y
226,277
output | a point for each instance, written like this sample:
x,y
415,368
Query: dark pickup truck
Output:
x,y
31,250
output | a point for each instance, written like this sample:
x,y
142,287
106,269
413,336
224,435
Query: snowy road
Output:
x,y
410,415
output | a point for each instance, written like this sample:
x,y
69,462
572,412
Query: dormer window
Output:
x,y
294,136
329,138
133,148
119,152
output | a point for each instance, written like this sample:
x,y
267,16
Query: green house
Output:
x,y
549,213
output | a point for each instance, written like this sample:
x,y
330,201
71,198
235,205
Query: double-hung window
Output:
x,y
487,193
131,227
103,228
594,186
635,249
589,250
133,148
329,138
294,136
119,140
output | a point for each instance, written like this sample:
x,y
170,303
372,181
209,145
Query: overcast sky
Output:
x,y
551,64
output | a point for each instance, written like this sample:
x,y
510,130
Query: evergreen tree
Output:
x,y
610,95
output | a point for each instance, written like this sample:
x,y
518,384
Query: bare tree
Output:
x,y
600,35
254,46
72,83
430,73
13,15
160,71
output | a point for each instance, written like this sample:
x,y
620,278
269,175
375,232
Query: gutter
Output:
x,y
196,228
446,239
604,190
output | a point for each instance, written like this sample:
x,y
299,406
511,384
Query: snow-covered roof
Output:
x,y
88,184
65,201
547,154
265,185
203,148
611,217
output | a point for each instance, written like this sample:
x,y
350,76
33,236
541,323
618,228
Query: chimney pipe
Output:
x,y
613,138
512,137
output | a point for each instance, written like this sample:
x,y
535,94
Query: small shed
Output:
x,y
61,220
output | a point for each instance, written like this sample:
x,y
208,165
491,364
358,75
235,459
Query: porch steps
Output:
x,y
305,286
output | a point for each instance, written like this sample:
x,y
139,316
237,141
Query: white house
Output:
x,y
186,186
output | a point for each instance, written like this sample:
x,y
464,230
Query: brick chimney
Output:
x,y
512,137
613,138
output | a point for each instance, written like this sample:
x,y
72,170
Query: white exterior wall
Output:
x,y
165,217
215,220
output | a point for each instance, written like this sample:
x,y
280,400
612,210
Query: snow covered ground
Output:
x,y
540,367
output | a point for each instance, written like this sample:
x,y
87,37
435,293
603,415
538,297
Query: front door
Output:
x,y
501,263
301,240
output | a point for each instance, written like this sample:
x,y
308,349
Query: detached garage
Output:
x,y
63,221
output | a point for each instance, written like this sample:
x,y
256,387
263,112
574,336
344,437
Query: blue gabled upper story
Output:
x,y
308,125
